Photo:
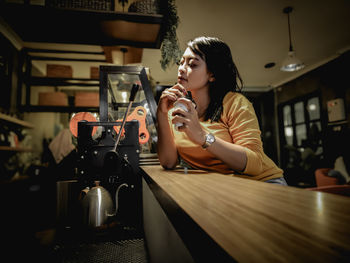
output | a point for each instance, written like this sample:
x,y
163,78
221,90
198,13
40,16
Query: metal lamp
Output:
x,y
291,62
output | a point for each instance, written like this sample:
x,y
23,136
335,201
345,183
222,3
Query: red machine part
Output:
x,y
138,114
80,116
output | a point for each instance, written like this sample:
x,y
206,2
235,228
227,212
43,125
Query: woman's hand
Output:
x,y
169,96
166,148
191,125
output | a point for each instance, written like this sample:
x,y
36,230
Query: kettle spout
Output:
x,y
116,198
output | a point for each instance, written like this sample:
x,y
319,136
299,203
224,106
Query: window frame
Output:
x,y
307,122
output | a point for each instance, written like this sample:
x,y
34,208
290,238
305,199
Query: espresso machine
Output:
x,y
109,149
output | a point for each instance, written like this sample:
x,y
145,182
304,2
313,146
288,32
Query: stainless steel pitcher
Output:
x,y
98,205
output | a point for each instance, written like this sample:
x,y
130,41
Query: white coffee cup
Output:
x,y
179,105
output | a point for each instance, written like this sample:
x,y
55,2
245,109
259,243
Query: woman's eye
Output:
x,y
192,65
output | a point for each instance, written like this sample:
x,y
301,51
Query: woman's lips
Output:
x,y
180,79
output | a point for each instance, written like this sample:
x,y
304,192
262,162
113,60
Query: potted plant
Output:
x,y
170,50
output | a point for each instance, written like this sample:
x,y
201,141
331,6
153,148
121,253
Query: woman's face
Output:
x,y
193,73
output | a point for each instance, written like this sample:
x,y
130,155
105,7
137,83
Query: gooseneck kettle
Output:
x,y
98,205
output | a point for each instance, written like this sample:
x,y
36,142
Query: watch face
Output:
x,y
210,138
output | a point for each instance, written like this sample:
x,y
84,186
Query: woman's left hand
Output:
x,y
191,126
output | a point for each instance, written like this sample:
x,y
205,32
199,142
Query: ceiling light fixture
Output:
x,y
270,65
291,63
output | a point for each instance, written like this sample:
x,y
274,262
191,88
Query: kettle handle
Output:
x,y
84,192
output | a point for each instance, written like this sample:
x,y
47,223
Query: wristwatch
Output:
x,y
209,140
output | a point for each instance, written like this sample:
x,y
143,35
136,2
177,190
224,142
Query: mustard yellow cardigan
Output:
x,y
238,124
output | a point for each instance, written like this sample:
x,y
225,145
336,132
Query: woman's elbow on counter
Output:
x,y
254,163
168,165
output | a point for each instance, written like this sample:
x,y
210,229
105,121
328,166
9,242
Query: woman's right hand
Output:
x,y
169,96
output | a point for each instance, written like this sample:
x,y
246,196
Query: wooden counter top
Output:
x,y
255,221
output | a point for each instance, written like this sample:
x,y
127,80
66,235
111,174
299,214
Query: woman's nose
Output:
x,y
181,68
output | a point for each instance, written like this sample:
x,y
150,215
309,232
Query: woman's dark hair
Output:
x,y
218,58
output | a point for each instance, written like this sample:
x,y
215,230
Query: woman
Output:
x,y
220,132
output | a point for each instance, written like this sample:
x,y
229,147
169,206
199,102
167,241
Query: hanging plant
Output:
x,y
170,49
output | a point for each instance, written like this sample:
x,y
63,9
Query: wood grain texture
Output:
x,y
260,222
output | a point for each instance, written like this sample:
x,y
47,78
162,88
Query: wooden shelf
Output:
x,y
15,149
67,109
34,23
46,81
16,121
149,159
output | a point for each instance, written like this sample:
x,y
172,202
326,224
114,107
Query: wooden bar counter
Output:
x,y
221,218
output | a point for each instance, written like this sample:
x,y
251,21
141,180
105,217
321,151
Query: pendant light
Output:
x,y
291,63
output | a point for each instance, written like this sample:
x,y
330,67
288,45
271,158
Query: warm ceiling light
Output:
x,y
291,63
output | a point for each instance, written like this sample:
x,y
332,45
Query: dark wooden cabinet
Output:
x,y
57,24
35,23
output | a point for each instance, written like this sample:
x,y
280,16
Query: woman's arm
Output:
x,y
244,131
232,154
166,148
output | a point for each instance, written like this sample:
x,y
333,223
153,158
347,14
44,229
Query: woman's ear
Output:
x,y
211,77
